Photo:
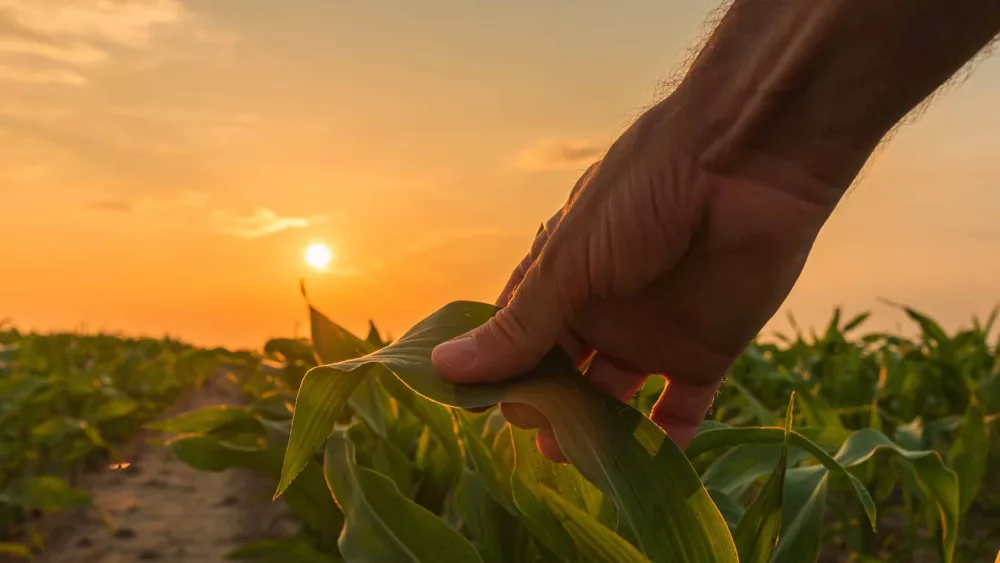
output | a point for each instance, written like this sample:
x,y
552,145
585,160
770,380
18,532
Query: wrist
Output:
x,y
797,95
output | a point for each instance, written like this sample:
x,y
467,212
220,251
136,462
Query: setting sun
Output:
x,y
318,256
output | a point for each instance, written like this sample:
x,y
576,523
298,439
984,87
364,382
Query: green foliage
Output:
x,y
66,401
399,443
883,455
659,498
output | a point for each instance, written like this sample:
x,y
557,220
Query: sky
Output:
x,y
165,164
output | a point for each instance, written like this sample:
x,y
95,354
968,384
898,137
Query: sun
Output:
x,y
318,256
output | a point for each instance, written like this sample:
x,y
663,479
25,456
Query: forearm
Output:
x,y
816,84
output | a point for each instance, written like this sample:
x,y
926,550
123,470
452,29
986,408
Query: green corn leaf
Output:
x,y
659,496
317,407
739,468
321,399
274,406
289,349
725,437
531,471
597,543
112,409
970,453
818,411
373,405
435,416
731,509
930,328
911,434
389,461
763,414
332,342
498,535
380,523
17,389
479,458
44,492
855,322
802,517
757,532
534,469
205,420
374,338
939,483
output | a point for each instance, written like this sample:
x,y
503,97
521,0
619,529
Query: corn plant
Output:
x,y
65,401
809,450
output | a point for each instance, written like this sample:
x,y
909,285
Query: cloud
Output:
x,y
76,54
83,33
262,222
128,24
553,154
44,76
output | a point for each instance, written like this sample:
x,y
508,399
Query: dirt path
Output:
x,y
163,510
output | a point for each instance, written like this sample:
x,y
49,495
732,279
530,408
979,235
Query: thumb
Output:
x,y
519,335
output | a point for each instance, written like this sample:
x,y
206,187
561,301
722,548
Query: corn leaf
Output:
x,y
724,437
757,532
659,496
739,468
597,544
939,483
206,420
970,453
381,524
802,516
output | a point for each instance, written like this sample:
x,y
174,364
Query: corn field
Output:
x,y
836,446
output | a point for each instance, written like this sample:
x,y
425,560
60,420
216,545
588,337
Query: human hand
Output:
x,y
655,265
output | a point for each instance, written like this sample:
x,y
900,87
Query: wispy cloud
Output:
x,y
74,34
127,24
44,76
77,54
550,154
262,222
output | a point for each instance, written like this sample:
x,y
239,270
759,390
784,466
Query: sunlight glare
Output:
x,y
318,256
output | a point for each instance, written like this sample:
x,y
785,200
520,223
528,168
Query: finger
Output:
x,y
547,445
516,338
523,416
614,378
681,408
515,279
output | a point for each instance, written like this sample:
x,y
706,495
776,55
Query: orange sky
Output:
x,y
165,164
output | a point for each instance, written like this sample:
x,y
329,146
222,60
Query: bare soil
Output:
x,y
162,510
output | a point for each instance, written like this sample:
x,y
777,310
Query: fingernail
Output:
x,y
456,356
